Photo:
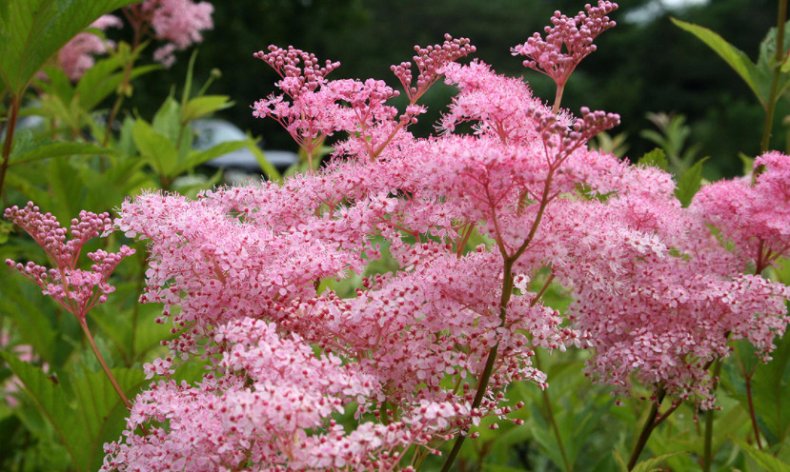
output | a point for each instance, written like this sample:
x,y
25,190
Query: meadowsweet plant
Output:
x,y
76,290
374,311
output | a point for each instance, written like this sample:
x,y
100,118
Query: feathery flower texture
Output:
x,y
76,290
251,277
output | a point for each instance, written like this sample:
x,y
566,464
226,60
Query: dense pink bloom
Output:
x,y
76,290
254,277
268,391
567,42
179,23
754,216
77,55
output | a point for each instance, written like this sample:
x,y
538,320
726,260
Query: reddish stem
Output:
x,y
9,138
752,414
105,367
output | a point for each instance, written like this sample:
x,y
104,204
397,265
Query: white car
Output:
x,y
210,132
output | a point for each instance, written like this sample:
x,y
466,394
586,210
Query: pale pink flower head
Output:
x,y
179,23
77,55
76,290
753,216
299,70
430,62
567,42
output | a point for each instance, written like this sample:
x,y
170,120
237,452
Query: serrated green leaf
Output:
x,y
766,461
655,158
58,149
99,409
83,408
689,183
734,57
199,107
32,31
51,400
767,56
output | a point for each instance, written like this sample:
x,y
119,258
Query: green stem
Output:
x,y
707,457
507,291
752,414
647,428
770,105
104,366
124,86
13,115
551,418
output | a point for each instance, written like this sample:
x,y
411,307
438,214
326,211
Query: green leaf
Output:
x,y
767,57
30,320
269,170
766,461
621,464
769,386
32,31
748,163
690,182
653,464
166,121
188,81
203,106
199,157
158,151
51,400
106,76
83,408
655,158
500,468
734,57
58,149
99,409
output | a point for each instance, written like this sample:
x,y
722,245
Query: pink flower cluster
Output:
x,y
419,353
319,108
77,55
179,23
76,290
268,390
754,216
568,41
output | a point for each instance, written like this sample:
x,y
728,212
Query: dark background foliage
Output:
x,y
640,67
